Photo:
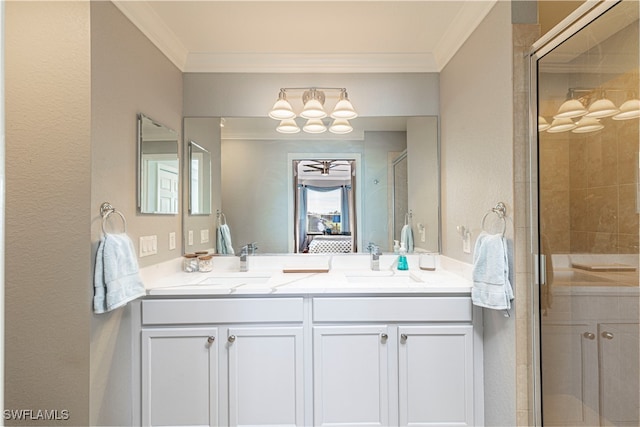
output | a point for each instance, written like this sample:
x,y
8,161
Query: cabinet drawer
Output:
x,y
393,309
197,311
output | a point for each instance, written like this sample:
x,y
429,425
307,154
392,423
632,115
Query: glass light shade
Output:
x,y
313,110
602,108
340,126
314,126
628,110
587,124
288,126
570,108
542,124
344,110
282,110
561,125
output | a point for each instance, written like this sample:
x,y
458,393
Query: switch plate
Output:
x,y
172,240
148,245
190,238
204,236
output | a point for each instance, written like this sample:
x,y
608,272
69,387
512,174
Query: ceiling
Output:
x,y
288,36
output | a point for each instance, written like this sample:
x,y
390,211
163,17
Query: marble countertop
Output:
x,y
347,275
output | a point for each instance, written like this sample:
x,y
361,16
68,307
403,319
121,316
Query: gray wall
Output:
x,y
129,75
477,164
48,212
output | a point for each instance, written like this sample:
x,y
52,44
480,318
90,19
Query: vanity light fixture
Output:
x,y
543,124
630,109
561,125
602,107
587,124
313,101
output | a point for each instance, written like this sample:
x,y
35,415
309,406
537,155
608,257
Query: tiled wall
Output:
x,y
588,189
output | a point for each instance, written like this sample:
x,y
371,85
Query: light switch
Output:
x,y
172,240
204,236
190,238
148,245
466,243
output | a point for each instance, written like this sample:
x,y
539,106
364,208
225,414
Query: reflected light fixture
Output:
x,y
602,107
630,109
543,124
561,125
313,109
587,124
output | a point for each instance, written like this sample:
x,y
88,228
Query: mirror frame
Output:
x,y
140,164
207,188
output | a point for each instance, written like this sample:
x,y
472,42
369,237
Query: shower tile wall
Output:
x,y
589,189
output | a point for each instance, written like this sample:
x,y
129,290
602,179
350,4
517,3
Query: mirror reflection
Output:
x,y
199,180
259,193
158,167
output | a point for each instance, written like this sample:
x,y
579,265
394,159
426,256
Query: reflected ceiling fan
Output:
x,y
324,166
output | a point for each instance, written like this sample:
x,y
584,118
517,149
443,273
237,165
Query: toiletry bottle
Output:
x,y
396,247
402,259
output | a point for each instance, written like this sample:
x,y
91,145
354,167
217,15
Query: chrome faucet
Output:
x,y
248,249
375,257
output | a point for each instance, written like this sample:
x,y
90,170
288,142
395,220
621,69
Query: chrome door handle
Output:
x,y
404,337
607,335
231,338
384,337
211,339
589,335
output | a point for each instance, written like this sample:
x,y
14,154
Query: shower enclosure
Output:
x,y
587,231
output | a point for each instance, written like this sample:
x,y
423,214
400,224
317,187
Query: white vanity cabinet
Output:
x,y
417,368
238,370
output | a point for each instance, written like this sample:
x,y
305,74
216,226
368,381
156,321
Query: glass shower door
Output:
x,y
588,137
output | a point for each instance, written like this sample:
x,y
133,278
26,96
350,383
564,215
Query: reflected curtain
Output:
x,y
346,206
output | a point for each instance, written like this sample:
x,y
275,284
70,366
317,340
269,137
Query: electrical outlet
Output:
x,y
204,236
190,238
148,245
172,240
466,243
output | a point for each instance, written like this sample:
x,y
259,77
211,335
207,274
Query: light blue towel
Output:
x,y
116,278
491,286
406,238
223,240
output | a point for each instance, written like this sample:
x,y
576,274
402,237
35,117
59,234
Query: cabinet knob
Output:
x,y
384,336
404,337
589,335
607,335
231,338
210,340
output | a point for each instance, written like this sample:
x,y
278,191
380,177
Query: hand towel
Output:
x,y
223,240
491,286
406,238
116,278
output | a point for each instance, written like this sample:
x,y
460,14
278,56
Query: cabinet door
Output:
x,y
619,373
435,375
350,377
179,377
569,360
266,385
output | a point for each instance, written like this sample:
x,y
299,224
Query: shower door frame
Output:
x,y
572,24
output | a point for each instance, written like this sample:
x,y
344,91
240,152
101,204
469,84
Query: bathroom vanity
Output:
x,y
344,347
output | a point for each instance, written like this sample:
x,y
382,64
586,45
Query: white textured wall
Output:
x,y
48,207
477,164
128,75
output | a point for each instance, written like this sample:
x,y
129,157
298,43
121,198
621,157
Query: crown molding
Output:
x,y
148,22
310,62
464,24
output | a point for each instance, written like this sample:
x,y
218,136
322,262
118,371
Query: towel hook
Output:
x,y
107,209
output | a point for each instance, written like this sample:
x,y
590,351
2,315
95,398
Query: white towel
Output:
x,y
223,240
116,278
406,238
491,286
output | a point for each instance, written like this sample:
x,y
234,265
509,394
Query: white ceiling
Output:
x,y
307,36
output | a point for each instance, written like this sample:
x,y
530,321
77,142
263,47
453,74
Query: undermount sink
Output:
x,y
383,279
226,281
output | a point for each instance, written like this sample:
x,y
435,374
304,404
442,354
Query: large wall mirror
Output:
x,y
158,168
199,180
255,186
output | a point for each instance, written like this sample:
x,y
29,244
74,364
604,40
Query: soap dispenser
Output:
x,y
396,247
402,259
